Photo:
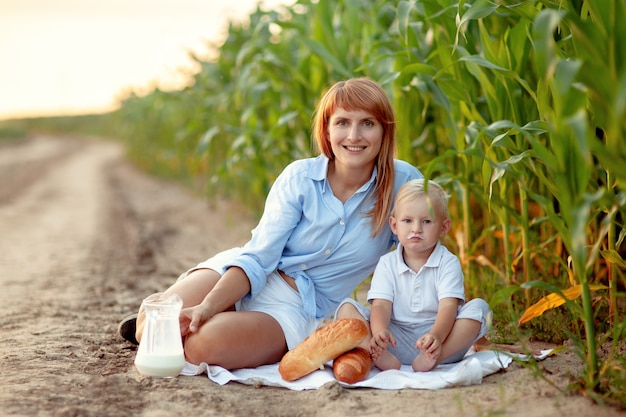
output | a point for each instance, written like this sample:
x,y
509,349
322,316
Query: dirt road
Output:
x,y
84,237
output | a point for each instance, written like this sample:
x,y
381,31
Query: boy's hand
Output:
x,y
430,345
380,341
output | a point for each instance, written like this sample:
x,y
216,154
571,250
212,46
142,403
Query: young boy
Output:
x,y
418,311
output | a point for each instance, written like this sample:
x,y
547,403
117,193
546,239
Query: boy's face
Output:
x,y
418,226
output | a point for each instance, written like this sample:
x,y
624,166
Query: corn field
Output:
x,y
518,108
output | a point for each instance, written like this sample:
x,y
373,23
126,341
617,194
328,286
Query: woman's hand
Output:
x,y
192,318
233,285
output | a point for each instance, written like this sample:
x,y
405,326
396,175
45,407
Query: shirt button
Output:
x,y
327,251
303,266
341,222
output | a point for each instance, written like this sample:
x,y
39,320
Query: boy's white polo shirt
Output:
x,y
416,295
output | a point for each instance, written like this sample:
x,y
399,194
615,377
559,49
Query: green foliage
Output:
x,y
518,108
86,125
11,130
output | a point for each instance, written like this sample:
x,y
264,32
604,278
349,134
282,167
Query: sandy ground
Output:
x,y
84,237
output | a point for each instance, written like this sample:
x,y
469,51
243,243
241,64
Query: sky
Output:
x,y
61,57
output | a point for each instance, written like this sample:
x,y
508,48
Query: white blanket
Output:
x,y
469,371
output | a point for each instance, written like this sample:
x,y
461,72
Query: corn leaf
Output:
x,y
553,300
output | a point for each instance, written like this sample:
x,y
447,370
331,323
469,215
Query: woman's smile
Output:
x,y
355,148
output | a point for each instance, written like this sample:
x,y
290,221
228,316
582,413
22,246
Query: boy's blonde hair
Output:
x,y
437,196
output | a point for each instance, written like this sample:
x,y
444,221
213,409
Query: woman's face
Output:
x,y
355,137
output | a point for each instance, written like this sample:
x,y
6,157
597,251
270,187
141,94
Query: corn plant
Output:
x,y
579,100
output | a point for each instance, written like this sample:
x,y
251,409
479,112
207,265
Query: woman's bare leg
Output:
x,y
348,311
237,339
192,289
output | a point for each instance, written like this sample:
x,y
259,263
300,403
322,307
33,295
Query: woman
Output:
x,y
324,227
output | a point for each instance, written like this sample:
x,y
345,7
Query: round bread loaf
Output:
x,y
352,366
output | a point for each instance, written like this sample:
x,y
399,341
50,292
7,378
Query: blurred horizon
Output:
x,y
70,57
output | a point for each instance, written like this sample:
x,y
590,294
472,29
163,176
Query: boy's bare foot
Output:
x,y
387,360
424,363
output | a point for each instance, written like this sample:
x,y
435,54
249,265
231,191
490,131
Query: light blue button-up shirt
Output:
x,y
309,234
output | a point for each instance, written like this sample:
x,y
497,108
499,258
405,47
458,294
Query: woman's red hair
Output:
x,y
363,94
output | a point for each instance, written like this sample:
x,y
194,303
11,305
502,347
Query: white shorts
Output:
x,y
276,299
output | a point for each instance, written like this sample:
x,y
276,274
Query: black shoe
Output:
x,y
127,328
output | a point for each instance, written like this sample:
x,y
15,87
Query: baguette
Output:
x,y
323,345
352,366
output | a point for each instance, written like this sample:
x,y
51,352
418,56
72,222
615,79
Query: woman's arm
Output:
x,y
281,215
233,285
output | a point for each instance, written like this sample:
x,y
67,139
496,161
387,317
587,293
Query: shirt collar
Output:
x,y
319,171
434,260
319,168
